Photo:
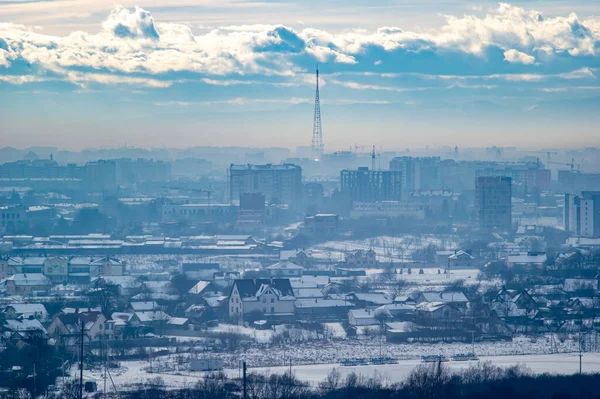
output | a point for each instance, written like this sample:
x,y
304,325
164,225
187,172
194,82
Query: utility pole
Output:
x,y
244,379
580,353
81,361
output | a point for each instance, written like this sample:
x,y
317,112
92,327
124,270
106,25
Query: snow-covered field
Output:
x,y
553,364
398,248
135,372
312,360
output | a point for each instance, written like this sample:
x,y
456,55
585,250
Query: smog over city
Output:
x,y
240,199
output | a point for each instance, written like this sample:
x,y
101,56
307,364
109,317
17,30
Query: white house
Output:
x,y
285,269
272,298
361,317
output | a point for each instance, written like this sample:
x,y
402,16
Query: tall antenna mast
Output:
x,y
317,137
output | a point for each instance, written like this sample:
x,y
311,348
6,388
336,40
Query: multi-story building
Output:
x,y
364,185
14,218
582,214
418,173
530,175
573,181
493,202
321,224
280,184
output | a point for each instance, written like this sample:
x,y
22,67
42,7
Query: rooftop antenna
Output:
x,y
373,159
317,137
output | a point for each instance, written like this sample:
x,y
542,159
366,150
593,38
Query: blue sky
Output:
x,y
396,74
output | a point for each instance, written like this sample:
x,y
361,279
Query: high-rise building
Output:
x,y
418,173
493,202
529,175
582,214
280,184
364,185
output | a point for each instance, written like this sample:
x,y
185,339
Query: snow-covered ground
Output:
x,y
399,248
135,372
312,360
553,364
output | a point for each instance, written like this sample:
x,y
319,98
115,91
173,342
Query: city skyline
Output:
x,y
473,75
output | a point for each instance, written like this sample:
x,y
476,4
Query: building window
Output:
x,y
272,300
272,309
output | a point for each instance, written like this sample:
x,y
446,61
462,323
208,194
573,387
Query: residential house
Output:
x,y
273,298
461,260
56,268
26,311
33,265
361,258
362,317
17,331
126,286
455,297
528,259
66,328
300,257
369,299
285,269
428,313
143,306
126,324
28,284
322,309
204,288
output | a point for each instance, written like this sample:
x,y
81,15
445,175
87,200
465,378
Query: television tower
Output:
x,y
317,137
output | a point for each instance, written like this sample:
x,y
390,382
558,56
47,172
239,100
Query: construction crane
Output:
x,y
548,156
571,165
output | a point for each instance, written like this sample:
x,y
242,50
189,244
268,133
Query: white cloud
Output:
x,y
135,50
516,57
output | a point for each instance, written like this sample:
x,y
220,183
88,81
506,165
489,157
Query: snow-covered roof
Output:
x,y
285,265
430,306
401,326
122,318
461,254
29,279
24,325
34,261
362,314
152,316
144,305
36,310
308,293
177,321
199,287
527,258
449,296
377,298
321,303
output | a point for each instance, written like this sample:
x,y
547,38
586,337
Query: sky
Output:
x,y
396,74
